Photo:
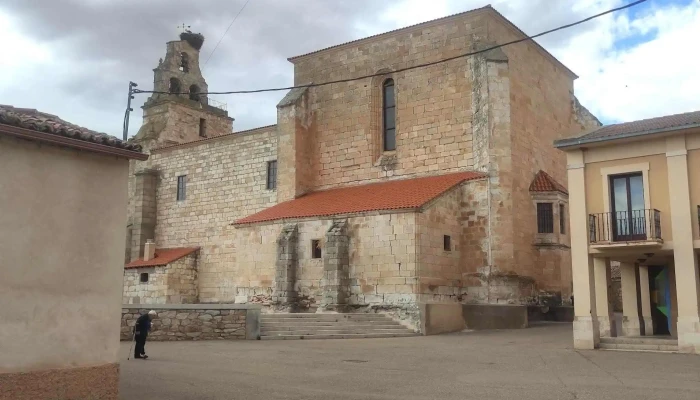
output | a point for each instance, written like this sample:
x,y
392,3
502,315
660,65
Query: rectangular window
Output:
x,y
562,219
202,127
627,202
316,249
144,277
545,218
447,243
272,175
389,115
181,187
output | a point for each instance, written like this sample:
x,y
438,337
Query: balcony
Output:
x,y
625,228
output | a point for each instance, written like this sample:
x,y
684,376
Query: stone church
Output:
x,y
434,184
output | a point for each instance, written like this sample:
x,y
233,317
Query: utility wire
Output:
x,y
224,35
415,66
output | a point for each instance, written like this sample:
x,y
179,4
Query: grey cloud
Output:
x,y
104,44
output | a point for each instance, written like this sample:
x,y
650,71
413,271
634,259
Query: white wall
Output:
x,y
62,238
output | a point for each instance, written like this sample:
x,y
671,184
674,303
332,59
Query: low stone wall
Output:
x,y
196,321
495,316
437,318
547,313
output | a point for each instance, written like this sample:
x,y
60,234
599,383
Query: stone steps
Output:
x,y
340,336
329,326
666,345
326,326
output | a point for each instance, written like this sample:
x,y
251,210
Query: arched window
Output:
x,y
174,86
194,92
184,62
389,115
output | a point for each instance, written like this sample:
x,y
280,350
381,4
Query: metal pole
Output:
x,y
132,85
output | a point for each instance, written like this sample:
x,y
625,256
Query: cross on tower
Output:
x,y
184,27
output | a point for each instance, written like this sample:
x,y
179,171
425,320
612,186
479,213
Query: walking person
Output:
x,y
141,329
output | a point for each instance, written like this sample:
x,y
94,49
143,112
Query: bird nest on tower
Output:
x,y
196,40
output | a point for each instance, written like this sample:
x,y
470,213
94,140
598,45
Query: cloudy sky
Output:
x,y
74,58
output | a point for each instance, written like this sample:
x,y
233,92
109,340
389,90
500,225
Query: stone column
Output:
x,y
645,301
631,322
586,333
144,218
294,127
684,256
336,267
286,267
606,321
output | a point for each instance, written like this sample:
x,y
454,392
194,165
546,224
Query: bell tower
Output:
x,y
180,112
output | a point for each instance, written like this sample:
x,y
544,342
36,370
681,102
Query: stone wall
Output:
x,y
382,260
196,322
174,283
540,112
433,115
439,270
226,180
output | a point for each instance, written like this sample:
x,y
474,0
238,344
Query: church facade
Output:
x,y
433,184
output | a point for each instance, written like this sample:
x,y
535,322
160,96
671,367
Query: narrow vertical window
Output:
x,y
144,277
447,243
272,174
181,187
184,63
316,249
562,219
545,218
389,115
202,127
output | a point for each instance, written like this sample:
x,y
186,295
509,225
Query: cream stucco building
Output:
x,y
635,199
433,184
63,199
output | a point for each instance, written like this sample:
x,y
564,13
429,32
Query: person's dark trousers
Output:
x,y
140,348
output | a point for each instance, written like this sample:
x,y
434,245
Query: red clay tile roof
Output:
x,y
38,121
163,257
543,182
391,195
634,128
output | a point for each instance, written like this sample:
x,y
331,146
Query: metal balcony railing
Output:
x,y
624,226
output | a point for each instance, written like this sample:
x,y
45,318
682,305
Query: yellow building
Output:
x,y
634,198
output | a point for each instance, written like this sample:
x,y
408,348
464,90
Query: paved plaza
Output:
x,y
536,363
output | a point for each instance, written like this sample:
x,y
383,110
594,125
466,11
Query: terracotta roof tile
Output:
x,y
38,121
641,127
391,195
543,182
163,257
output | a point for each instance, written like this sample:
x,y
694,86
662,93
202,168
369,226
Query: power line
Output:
x,y
229,27
310,85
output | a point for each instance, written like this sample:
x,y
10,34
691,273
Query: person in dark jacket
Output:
x,y
141,329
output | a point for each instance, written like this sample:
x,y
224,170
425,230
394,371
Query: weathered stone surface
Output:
x,y
192,325
498,113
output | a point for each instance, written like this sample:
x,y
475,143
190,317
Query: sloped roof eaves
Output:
x,y
586,139
328,216
404,206
29,134
48,124
163,257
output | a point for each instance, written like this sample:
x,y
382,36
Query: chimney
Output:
x,y
149,250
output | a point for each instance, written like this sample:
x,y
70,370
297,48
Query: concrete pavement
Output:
x,y
536,363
